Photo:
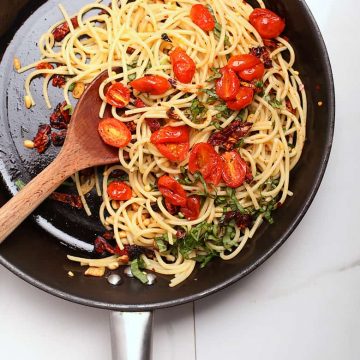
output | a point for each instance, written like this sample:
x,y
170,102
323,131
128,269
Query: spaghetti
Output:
x,y
139,37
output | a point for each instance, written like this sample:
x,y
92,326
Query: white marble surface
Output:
x,y
301,304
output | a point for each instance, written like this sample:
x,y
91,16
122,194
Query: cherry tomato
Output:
x,y
243,62
118,95
228,85
172,191
139,103
192,209
174,152
171,134
253,73
183,65
244,98
203,158
152,84
215,176
118,190
201,16
267,23
233,169
113,132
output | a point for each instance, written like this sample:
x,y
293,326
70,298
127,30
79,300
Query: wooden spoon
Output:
x,y
83,148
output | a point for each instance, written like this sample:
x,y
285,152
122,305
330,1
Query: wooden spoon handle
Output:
x,y
18,208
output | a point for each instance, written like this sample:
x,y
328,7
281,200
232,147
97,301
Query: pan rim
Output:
x,y
231,280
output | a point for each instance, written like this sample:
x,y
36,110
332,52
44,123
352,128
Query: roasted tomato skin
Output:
x,y
120,191
203,158
228,85
44,65
192,209
268,24
244,98
242,62
113,132
118,95
234,168
152,84
216,175
63,29
170,134
174,152
172,191
201,16
183,65
254,73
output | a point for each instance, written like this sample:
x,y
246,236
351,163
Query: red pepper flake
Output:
x,y
60,118
130,50
231,135
44,65
63,29
58,138
42,138
58,81
263,54
131,126
70,199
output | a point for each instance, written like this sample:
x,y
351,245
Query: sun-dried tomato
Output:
x,y
154,124
60,118
58,81
172,209
262,53
242,221
171,114
139,103
42,138
108,235
58,138
101,246
289,107
70,199
271,44
130,50
63,29
131,126
228,137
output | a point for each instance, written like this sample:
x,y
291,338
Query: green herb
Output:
x,y
135,266
216,125
198,176
212,95
233,201
69,107
218,28
205,259
71,87
161,244
266,208
272,182
197,110
224,111
19,184
259,84
216,74
132,77
277,104
240,143
228,241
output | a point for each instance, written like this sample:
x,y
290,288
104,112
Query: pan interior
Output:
x,y
74,228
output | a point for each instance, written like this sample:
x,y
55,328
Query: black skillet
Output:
x,y
36,251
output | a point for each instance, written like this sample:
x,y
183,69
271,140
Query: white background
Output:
x,y
303,303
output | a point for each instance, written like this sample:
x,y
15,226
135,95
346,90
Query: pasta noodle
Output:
x,y
129,35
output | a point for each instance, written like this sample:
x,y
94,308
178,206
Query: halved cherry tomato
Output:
x,y
118,190
268,24
233,168
174,152
171,134
192,209
253,73
113,132
228,85
183,65
201,16
172,191
138,103
118,95
203,158
215,176
244,97
242,62
152,84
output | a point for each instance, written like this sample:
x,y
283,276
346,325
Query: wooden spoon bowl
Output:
x,y
83,148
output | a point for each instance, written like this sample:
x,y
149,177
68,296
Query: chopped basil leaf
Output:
x,y
160,242
212,95
216,125
216,74
69,107
205,259
135,270
277,104
71,87
197,110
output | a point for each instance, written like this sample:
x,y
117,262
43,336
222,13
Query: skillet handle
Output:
x,y
131,335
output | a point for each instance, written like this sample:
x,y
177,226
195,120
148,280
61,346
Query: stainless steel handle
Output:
x,y
131,335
